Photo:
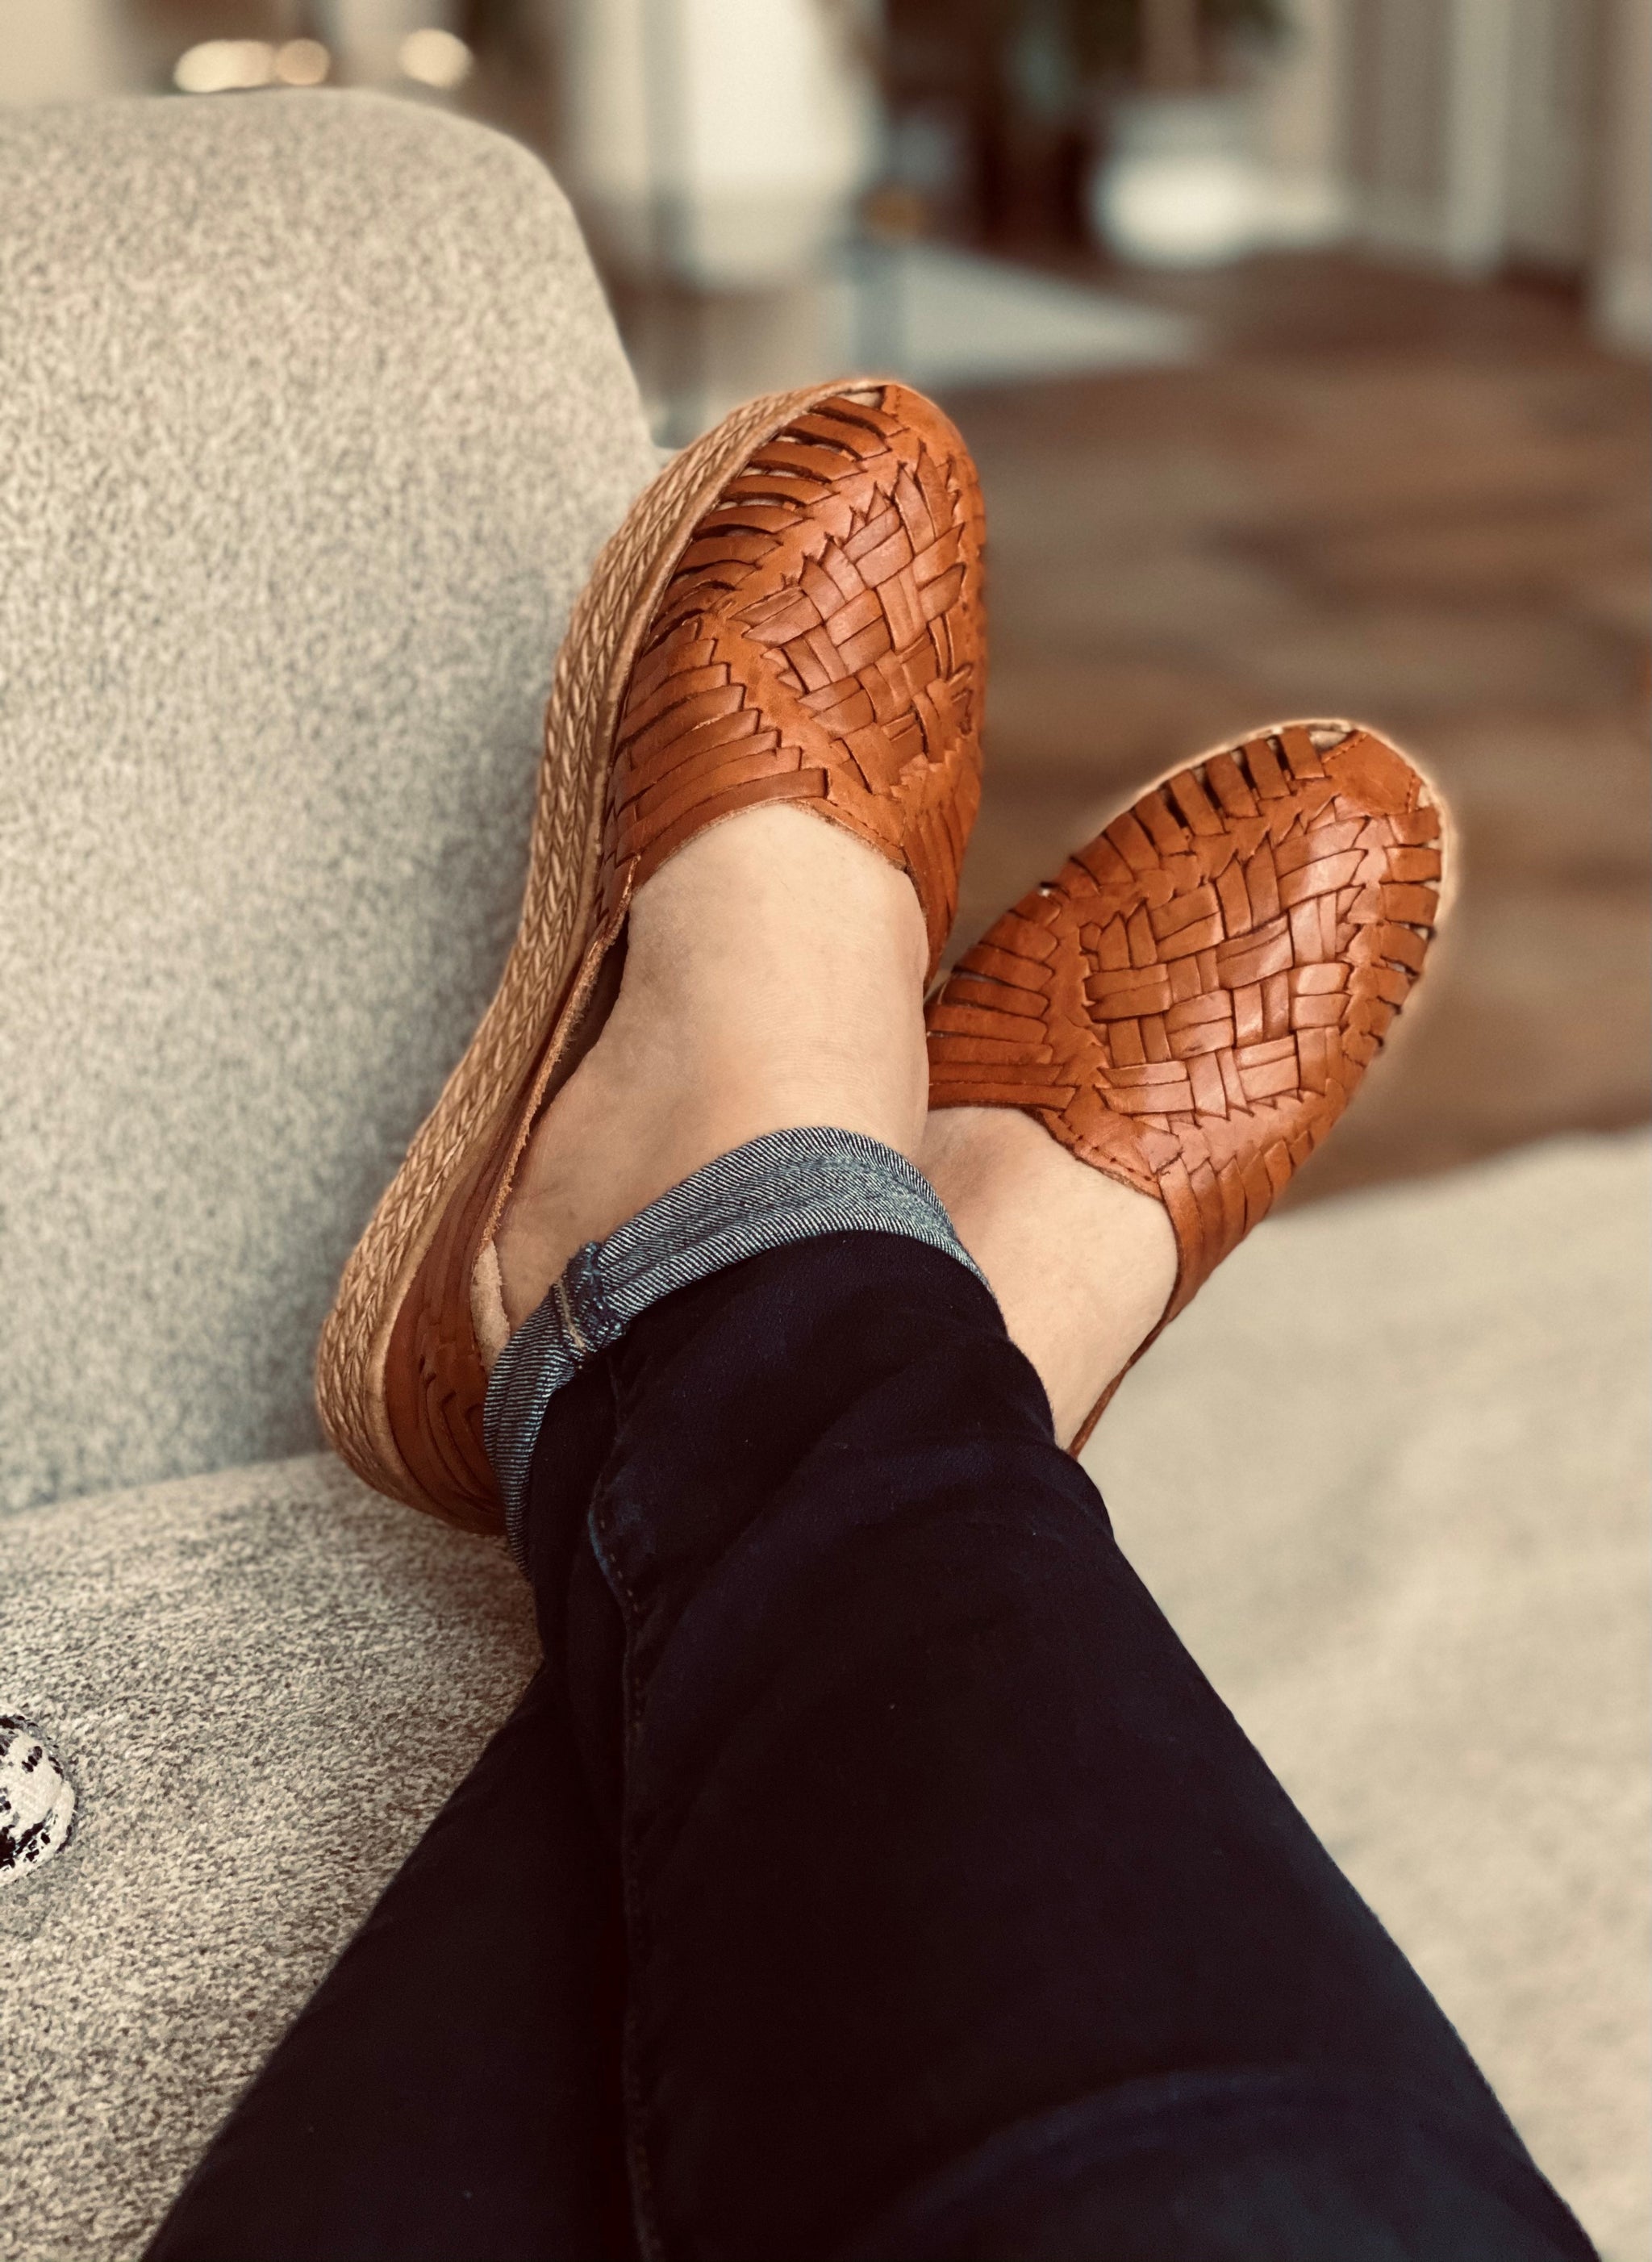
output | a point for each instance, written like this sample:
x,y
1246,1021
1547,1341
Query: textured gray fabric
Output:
x,y
1389,1476
785,1188
311,419
263,1682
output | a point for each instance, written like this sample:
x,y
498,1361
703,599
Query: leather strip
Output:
x,y
820,643
1191,1003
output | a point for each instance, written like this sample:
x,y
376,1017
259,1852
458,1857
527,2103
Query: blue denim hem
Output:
x,y
786,1186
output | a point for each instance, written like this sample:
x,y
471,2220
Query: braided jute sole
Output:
x,y
460,1155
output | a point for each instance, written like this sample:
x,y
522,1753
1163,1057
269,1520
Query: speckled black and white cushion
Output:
x,y
37,1799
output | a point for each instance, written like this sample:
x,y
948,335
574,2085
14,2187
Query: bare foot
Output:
x,y
1082,1266
773,979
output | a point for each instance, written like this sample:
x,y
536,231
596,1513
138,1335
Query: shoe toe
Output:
x,y
1191,1004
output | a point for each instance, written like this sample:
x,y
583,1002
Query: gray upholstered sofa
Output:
x,y
312,416
310,419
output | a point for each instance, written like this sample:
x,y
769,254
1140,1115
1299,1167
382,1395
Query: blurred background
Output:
x,y
1300,343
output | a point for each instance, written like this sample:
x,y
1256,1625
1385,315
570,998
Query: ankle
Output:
x,y
1082,1266
773,981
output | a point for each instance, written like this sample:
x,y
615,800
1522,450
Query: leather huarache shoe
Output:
x,y
790,612
1191,1004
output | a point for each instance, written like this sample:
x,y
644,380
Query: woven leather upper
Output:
x,y
820,642
1189,1006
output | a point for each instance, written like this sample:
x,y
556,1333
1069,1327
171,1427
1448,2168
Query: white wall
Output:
x,y
1397,62
1299,127
1482,131
62,50
717,137
1554,99
1622,274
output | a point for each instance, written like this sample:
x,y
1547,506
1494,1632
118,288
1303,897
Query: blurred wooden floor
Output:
x,y
1417,503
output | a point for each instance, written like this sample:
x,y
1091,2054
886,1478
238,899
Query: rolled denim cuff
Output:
x,y
786,1186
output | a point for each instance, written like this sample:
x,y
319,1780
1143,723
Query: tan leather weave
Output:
x,y
819,642
1190,1005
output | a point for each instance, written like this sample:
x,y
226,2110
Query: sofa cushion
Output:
x,y
313,418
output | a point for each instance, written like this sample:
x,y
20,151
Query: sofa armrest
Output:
x,y
262,1683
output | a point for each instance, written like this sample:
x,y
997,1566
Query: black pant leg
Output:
x,y
964,1921
450,2093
